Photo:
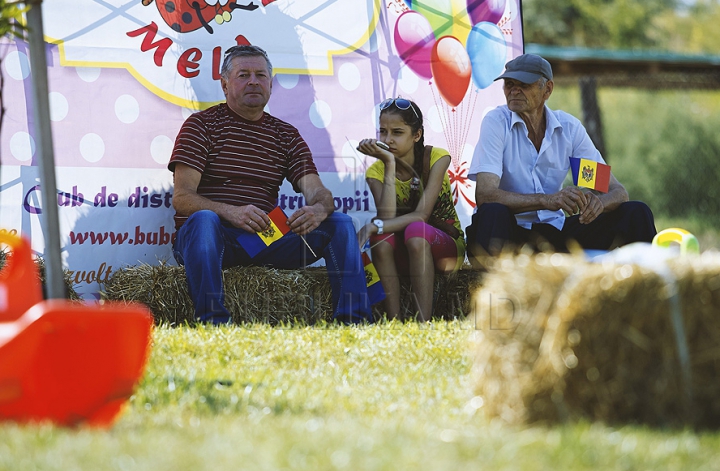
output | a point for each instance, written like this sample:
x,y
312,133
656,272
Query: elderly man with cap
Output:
x,y
519,165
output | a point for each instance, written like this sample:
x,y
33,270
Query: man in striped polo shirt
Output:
x,y
228,163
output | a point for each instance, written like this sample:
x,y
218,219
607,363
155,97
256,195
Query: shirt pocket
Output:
x,y
554,179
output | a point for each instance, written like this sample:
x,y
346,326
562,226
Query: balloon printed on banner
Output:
x,y
488,52
446,17
452,73
451,69
414,41
491,11
463,53
438,13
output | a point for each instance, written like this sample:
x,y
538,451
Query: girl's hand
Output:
x,y
370,147
365,232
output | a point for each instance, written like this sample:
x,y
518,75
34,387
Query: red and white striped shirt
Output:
x,y
242,162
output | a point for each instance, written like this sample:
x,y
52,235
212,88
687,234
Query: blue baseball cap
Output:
x,y
527,68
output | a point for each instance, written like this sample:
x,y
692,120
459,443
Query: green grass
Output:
x,y
386,397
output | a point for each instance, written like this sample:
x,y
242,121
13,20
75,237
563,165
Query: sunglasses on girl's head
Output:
x,y
400,103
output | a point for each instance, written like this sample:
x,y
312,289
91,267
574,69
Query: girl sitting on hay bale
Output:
x,y
416,231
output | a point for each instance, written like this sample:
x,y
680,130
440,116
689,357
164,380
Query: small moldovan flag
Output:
x,y
376,293
590,174
253,243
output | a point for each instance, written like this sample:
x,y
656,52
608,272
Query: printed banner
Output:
x,y
124,74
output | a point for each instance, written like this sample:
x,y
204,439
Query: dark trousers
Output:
x,y
494,227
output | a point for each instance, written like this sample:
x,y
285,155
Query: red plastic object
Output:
x,y
19,281
70,363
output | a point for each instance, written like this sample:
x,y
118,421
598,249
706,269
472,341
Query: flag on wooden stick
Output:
x,y
375,290
253,243
590,174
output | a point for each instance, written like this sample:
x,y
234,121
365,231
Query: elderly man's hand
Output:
x,y
569,199
592,209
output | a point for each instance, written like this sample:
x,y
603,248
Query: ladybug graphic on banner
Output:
x,y
185,16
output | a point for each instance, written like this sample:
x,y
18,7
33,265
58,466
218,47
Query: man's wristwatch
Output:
x,y
379,224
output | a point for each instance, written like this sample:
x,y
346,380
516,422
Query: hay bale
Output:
x,y
699,291
560,338
454,292
40,263
267,295
451,298
252,294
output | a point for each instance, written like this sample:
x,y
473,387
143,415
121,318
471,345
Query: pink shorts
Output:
x,y
442,246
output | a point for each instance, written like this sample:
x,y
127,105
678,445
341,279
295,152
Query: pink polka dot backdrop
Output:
x,y
114,121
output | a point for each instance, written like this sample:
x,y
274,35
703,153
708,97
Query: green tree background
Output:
x,y
617,24
10,15
660,25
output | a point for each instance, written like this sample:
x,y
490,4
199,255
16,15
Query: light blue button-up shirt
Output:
x,y
505,150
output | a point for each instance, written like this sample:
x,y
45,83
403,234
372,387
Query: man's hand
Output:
x,y
307,218
248,218
569,199
592,209
186,201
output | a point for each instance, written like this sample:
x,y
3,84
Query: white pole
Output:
x,y
44,151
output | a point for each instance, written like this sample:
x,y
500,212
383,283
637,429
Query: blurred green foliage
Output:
x,y
661,25
688,167
614,24
10,17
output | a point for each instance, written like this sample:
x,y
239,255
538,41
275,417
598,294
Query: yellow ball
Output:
x,y
688,243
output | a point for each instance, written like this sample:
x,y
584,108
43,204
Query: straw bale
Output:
x,y
267,295
699,290
451,295
560,338
40,263
252,294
